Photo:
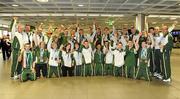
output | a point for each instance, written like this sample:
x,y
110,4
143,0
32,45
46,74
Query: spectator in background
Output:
x,y
6,47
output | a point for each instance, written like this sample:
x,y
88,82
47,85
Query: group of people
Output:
x,y
100,52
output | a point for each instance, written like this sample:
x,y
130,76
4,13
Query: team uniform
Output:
x,y
130,62
108,66
166,53
98,62
27,73
41,59
87,56
143,64
67,67
119,62
54,58
77,57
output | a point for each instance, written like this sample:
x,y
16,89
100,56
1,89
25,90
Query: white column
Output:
x,y
141,22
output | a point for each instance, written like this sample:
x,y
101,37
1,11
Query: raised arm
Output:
x,y
94,32
114,29
13,27
77,33
49,44
172,27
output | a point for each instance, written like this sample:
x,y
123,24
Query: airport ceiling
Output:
x,y
128,8
91,6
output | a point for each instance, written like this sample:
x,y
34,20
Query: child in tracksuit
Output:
x,y
77,56
87,55
28,68
67,67
41,58
130,60
143,63
118,60
98,60
108,66
54,59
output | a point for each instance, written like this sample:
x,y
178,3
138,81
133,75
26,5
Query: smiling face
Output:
x,y
42,45
27,28
20,28
156,30
119,45
130,44
106,30
165,30
86,45
81,31
99,46
143,45
68,47
27,47
76,46
151,31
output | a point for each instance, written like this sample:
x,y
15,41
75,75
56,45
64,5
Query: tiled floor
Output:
x,y
90,87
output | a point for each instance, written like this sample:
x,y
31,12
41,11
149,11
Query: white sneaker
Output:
x,y
167,80
159,76
16,77
155,74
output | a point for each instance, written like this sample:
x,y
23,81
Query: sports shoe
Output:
x,y
167,80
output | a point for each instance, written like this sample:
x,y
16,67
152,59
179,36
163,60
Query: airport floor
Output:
x,y
90,87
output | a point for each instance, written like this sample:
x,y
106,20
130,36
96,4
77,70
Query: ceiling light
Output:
x,y
80,5
173,18
153,16
69,14
42,0
93,14
81,14
14,5
120,15
56,14
106,15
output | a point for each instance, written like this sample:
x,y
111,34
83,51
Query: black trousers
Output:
x,y
157,60
41,67
6,53
67,71
152,63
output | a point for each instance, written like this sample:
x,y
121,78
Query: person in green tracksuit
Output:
x,y
17,45
41,59
119,54
15,52
166,48
130,60
108,57
87,56
54,59
98,60
143,62
28,72
77,57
